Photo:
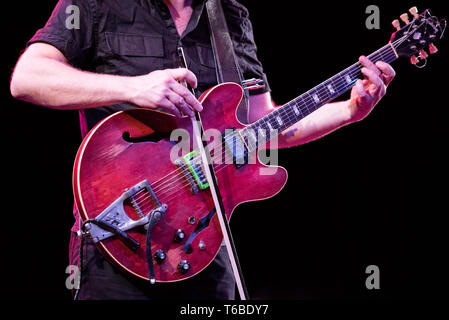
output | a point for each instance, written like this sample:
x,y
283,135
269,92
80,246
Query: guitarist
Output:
x,y
100,57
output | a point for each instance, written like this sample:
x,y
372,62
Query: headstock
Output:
x,y
417,35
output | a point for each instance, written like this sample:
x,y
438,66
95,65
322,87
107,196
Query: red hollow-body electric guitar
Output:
x,y
128,177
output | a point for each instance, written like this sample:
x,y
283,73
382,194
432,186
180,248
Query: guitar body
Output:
x,y
115,156
125,172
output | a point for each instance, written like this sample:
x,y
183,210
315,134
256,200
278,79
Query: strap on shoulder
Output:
x,y
227,67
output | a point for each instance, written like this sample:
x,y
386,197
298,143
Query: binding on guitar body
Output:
x,y
126,186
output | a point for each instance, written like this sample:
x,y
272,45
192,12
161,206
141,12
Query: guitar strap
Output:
x,y
227,70
227,67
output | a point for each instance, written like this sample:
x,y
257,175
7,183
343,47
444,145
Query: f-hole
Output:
x,y
153,137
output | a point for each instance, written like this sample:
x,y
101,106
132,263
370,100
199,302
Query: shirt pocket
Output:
x,y
135,45
130,54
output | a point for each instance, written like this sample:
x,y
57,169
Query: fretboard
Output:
x,y
266,128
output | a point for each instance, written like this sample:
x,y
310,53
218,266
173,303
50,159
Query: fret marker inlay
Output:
x,y
269,126
279,120
295,109
348,79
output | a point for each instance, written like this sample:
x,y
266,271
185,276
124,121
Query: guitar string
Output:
x,y
379,51
169,190
308,100
357,72
375,55
390,55
378,55
285,112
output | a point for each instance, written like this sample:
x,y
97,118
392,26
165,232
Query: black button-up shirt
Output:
x,y
136,37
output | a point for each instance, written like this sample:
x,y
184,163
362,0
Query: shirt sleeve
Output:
x,y
241,32
70,29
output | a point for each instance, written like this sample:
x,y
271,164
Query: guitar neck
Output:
x,y
268,127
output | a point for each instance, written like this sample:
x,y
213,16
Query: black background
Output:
x,y
373,193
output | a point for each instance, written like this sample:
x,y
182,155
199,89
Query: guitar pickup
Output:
x,y
235,147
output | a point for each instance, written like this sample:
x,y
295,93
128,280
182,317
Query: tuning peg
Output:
x,y
414,60
404,17
432,49
417,62
414,12
396,24
423,54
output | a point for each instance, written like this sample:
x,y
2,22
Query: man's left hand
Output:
x,y
367,92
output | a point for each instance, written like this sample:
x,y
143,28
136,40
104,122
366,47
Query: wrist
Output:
x,y
123,87
350,110
119,88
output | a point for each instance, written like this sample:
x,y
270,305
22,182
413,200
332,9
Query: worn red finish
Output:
x,y
106,165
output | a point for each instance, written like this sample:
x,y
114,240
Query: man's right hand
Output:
x,y
43,76
162,89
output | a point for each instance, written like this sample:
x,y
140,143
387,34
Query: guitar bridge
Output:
x,y
193,163
144,202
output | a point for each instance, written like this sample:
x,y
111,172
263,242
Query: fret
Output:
x,y
377,56
351,75
266,126
251,139
288,118
381,53
292,112
336,84
322,93
348,79
387,54
300,107
308,101
330,88
313,102
270,127
304,104
279,121
262,133
284,117
296,110
340,81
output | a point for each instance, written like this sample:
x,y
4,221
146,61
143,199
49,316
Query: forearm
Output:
x,y
323,121
56,84
364,97
319,123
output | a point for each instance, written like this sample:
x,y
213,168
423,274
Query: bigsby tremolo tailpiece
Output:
x,y
115,221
